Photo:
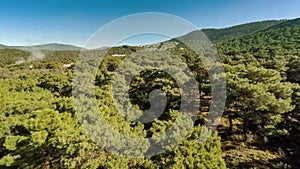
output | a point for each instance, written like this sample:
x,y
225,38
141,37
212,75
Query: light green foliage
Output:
x,y
192,153
40,128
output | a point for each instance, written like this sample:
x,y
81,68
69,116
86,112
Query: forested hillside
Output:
x,y
263,92
259,128
235,32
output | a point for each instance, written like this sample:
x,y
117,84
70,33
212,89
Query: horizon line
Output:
x,y
203,28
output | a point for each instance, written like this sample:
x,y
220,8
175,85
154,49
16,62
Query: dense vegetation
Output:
x,y
259,128
216,35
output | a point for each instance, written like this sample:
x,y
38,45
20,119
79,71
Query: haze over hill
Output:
x,y
50,46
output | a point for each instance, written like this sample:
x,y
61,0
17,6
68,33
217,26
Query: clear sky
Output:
x,y
29,22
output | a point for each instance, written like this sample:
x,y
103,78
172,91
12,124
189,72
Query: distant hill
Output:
x,y
287,23
216,35
50,46
239,31
2,46
281,39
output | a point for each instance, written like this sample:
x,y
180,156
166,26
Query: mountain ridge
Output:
x,y
48,46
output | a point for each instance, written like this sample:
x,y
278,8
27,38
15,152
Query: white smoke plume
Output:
x,y
36,54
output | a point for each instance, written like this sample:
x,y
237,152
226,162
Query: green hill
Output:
x,y
287,23
236,31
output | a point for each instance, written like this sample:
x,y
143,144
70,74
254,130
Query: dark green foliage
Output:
x,y
260,128
216,35
270,119
287,23
259,97
61,56
12,56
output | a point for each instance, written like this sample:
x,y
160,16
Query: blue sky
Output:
x,y
74,21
